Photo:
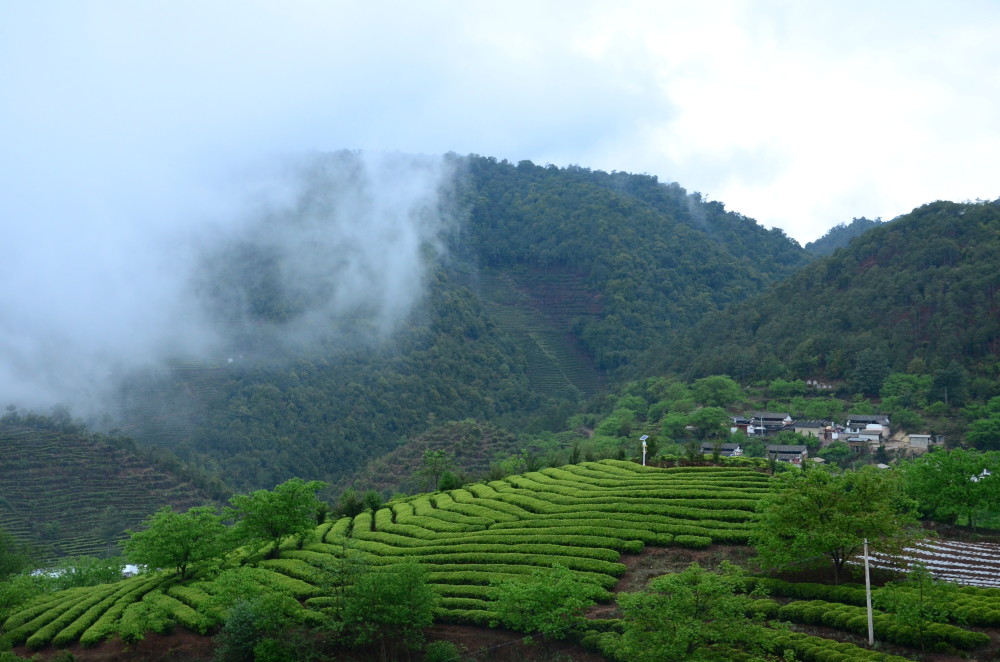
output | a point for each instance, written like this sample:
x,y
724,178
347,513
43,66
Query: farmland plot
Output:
x,y
582,517
966,563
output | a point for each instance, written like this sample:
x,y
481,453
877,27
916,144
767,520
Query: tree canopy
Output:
x,y
954,484
394,603
818,517
178,540
549,603
681,615
268,516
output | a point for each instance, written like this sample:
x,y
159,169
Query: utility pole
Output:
x,y
643,439
868,599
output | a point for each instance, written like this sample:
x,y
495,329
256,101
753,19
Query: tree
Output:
x,y
449,481
951,383
918,600
435,463
984,433
717,391
550,603
870,371
953,484
388,604
14,555
817,515
349,504
268,516
905,390
681,615
837,452
254,613
709,422
178,540
88,571
755,446
372,501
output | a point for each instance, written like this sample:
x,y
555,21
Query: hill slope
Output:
x,y
841,235
558,280
923,286
69,493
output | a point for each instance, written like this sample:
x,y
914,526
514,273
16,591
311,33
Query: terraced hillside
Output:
x,y
540,309
583,517
161,407
70,494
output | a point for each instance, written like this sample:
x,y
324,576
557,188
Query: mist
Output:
x,y
275,259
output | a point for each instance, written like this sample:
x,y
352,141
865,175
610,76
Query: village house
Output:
x,y
857,423
865,433
822,430
793,454
768,422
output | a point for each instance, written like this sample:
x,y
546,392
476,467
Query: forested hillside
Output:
x,y
916,295
658,257
553,281
840,235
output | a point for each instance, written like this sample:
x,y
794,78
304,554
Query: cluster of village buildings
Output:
x,y
863,433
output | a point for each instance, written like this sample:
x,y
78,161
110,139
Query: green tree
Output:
x,y
372,501
870,371
837,452
178,540
710,422
15,556
717,391
905,390
88,571
391,604
434,464
984,433
349,504
918,600
674,426
954,484
781,388
951,384
254,613
449,481
817,515
755,446
549,603
268,516
691,615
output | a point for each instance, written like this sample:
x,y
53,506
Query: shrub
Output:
x,y
441,651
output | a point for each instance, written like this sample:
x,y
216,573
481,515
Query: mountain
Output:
x,y
841,235
551,284
917,294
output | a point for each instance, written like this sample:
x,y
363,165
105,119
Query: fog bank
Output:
x,y
278,258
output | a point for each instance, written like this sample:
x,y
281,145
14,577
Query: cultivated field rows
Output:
x,y
583,517
580,516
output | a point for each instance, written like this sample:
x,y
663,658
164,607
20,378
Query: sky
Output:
x,y
131,132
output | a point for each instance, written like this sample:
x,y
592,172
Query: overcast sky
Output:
x,y
799,114
132,134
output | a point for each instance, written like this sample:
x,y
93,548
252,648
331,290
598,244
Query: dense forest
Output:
x,y
916,295
840,235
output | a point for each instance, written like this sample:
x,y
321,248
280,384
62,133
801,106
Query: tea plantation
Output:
x,y
582,517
